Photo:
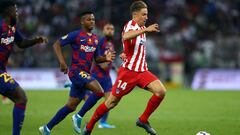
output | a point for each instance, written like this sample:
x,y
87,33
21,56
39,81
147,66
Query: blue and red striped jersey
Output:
x,y
84,47
9,35
97,70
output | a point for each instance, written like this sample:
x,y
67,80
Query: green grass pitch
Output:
x,y
183,112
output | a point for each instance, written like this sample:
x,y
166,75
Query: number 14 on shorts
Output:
x,y
121,85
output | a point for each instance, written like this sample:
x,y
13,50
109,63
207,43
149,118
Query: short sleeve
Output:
x,y
98,50
69,38
131,25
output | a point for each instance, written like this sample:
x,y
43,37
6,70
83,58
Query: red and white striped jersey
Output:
x,y
135,49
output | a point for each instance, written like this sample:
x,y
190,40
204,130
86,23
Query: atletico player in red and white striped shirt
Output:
x,y
134,71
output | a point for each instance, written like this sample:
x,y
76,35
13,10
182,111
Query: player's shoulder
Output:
x,y
131,23
95,36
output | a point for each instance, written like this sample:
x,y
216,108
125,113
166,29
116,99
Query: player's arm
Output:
x,y
58,51
25,43
134,33
108,57
57,46
100,55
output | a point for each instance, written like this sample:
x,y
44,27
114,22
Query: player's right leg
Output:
x,y
75,96
11,89
109,104
60,115
103,121
123,85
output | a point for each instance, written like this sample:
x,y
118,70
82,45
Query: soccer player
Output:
x,y
101,72
134,71
10,36
85,48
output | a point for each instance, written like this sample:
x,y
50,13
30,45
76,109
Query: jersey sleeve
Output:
x,y
18,36
69,38
99,51
130,26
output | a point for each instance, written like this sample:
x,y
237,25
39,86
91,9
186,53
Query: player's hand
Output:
x,y
153,28
64,68
123,56
42,40
110,55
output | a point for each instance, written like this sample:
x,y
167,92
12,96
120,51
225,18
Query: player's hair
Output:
x,y
137,5
85,12
5,4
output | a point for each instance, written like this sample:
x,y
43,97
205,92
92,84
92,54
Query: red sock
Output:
x,y
100,111
152,105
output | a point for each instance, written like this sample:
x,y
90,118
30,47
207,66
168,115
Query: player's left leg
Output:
x,y
92,99
155,86
19,97
97,90
103,121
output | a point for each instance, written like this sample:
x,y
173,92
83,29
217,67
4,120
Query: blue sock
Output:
x,y
59,116
18,117
90,102
104,118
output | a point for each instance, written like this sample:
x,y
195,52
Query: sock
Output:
x,y
100,111
18,118
90,102
104,118
59,116
152,105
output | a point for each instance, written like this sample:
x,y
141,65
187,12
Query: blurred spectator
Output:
x,y
204,32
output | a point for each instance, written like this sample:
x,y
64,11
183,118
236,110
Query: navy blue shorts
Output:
x,y
79,80
7,83
106,84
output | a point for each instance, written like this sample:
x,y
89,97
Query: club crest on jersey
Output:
x,y
7,40
89,41
88,48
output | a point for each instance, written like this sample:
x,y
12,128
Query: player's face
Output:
x,y
13,14
88,21
142,16
108,30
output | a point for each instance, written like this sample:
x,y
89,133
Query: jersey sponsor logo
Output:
x,y
88,48
141,42
7,40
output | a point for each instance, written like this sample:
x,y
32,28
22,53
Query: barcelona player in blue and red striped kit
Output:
x,y
10,36
85,49
100,71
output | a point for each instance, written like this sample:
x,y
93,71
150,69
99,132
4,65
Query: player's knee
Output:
x,y
22,100
111,104
72,107
161,92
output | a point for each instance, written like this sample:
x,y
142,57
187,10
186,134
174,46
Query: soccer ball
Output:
x,y
203,133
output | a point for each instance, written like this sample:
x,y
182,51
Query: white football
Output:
x,y
203,133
